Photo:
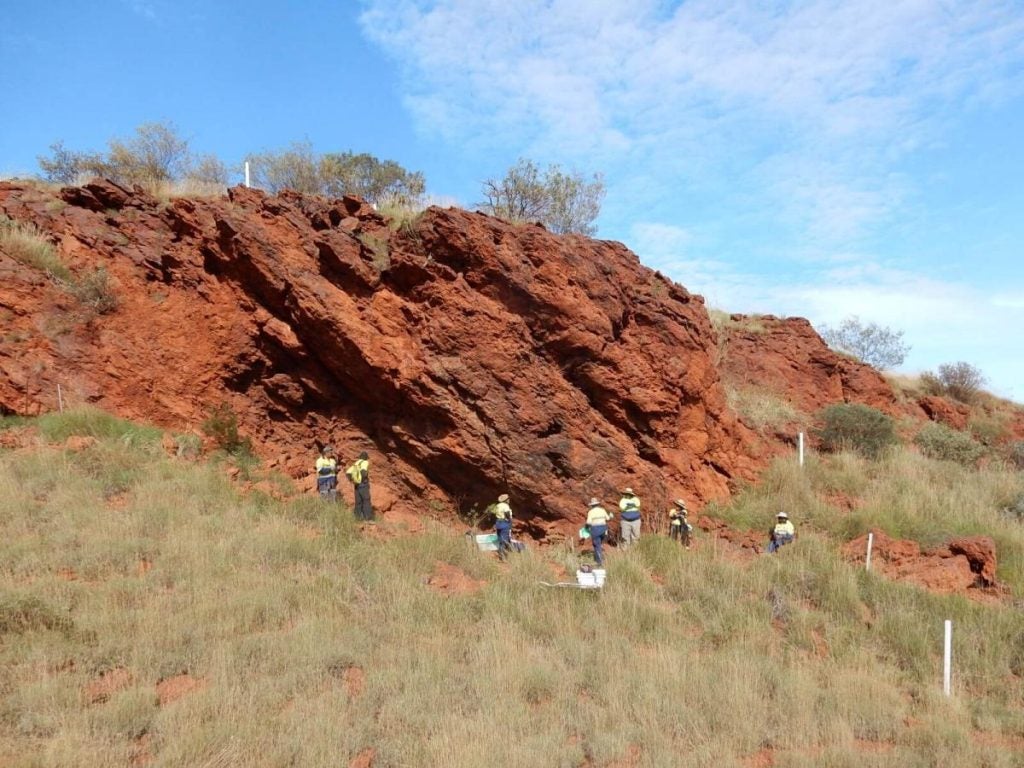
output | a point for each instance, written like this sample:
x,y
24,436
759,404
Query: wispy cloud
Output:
x,y
750,147
679,91
147,9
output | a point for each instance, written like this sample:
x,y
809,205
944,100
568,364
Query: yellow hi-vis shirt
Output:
x,y
676,516
598,516
326,467
785,529
502,511
629,504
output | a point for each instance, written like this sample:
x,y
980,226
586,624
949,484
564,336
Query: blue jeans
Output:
x,y
597,534
504,530
324,486
778,541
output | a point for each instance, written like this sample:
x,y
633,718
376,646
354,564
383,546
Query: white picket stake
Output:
x,y
947,658
867,560
801,441
247,173
60,399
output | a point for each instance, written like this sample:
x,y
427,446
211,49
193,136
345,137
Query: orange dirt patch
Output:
x,y
140,752
963,566
364,759
629,760
309,533
77,443
354,680
144,566
1000,740
107,684
842,501
173,688
765,758
67,574
730,542
867,746
448,579
820,644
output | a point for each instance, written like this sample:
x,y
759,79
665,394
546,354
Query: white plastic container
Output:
x,y
592,580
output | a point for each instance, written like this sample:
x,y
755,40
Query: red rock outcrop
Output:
x,y
787,356
468,355
965,565
940,409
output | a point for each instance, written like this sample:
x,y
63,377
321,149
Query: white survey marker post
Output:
x,y
60,399
246,173
947,658
867,560
801,450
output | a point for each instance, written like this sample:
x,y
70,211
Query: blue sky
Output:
x,y
818,158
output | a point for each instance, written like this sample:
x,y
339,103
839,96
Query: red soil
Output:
x,y
107,684
171,689
449,579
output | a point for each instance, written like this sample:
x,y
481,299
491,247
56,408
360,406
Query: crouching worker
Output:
x,y
597,526
679,527
782,533
503,525
327,474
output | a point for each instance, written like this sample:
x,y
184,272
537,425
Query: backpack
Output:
x,y
354,473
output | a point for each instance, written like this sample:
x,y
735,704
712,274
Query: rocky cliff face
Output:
x,y
787,356
469,356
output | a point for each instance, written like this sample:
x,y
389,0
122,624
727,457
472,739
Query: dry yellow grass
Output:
x,y
685,659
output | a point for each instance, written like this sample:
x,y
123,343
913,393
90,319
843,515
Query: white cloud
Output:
x,y
943,321
768,133
676,92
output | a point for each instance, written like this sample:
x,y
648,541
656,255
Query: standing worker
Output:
x,y
327,474
629,519
503,525
359,474
782,533
597,525
678,526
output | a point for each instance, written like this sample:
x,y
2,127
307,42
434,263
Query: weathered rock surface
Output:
x,y
965,565
468,355
788,357
942,410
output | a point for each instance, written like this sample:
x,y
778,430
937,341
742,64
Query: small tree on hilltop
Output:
x,y
155,153
154,156
296,168
961,381
875,345
365,176
563,202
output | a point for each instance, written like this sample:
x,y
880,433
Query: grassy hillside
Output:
x,y
295,640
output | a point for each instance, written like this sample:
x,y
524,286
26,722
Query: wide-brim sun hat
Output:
x,y
628,491
680,503
503,497
593,503
783,515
